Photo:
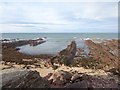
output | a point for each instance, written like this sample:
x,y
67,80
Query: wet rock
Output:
x,y
60,77
66,56
31,79
15,44
17,49
71,49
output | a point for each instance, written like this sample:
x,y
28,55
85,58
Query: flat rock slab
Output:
x,y
9,74
23,79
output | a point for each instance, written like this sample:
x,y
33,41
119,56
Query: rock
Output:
x,y
31,79
79,52
87,81
9,74
102,52
48,76
66,56
82,84
115,71
14,44
2,62
17,49
71,49
76,76
60,77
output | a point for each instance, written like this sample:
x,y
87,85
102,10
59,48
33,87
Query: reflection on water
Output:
x,y
57,41
51,47
44,48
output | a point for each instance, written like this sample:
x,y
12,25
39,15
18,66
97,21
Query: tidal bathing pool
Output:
x,y
51,47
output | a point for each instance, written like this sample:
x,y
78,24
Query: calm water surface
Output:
x,y
56,41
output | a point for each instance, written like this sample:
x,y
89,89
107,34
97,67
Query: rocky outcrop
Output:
x,y
14,44
59,79
66,56
64,79
71,49
104,52
31,79
87,81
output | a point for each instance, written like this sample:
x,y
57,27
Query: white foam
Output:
x,y
86,39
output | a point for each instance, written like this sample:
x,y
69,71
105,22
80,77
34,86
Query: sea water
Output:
x,y
56,41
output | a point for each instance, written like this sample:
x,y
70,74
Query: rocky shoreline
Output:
x,y
68,69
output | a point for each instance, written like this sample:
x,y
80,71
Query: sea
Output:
x,y
55,42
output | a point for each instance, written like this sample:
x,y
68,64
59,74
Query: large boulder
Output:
x,y
9,74
60,78
31,79
66,56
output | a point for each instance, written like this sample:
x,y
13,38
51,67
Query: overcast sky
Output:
x,y
58,16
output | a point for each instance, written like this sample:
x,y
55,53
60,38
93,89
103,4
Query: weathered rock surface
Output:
x,y
9,74
31,79
79,52
15,44
60,78
71,49
105,52
87,81
67,55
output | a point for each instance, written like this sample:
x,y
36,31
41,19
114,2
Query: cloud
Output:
x,y
58,17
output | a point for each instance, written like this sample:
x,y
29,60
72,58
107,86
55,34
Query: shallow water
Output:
x,y
50,47
57,41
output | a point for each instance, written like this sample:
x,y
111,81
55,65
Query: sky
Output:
x,y
58,16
